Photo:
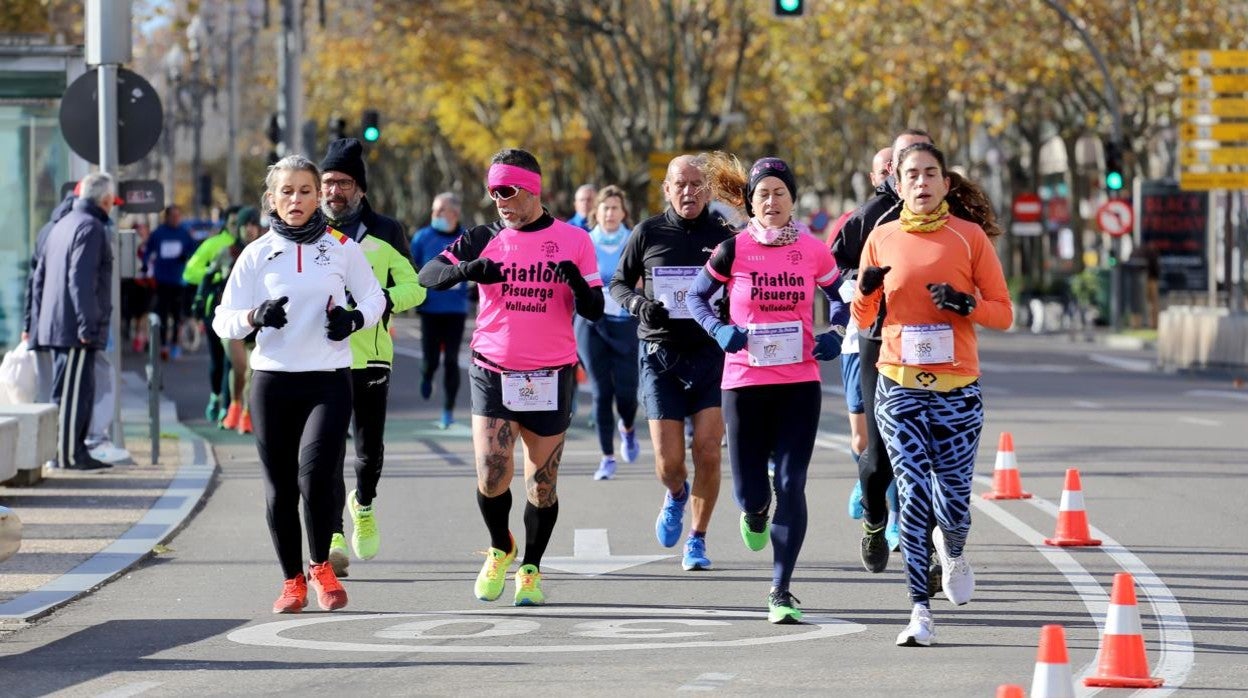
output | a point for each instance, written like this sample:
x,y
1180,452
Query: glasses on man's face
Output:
x,y
504,192
342,185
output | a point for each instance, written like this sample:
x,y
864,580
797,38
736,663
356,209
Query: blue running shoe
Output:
x,y
632,449
606,469
695,554
855,501
446,420
668,526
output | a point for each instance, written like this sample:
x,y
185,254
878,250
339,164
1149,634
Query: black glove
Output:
x,y
651,312
340,322
947,297
482,270
872,279
569,274
270,313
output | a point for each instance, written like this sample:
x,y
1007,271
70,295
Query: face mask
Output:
x,y
441,224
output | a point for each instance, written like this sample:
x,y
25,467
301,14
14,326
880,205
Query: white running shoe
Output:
x,y
107,452
956,578
921,631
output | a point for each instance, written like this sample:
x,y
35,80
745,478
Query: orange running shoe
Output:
x,y
244,422
294,596
329,592
233,416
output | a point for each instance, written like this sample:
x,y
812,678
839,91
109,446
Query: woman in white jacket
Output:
x,y
303,288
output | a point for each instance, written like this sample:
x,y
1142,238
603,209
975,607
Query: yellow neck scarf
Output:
x,y
925,222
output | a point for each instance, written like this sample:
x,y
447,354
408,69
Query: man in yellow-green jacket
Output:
x,y
372,354
193,274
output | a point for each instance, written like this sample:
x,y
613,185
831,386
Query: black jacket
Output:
x,y
41,240
73,283
882,208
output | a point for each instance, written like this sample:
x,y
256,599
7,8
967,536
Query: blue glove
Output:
x,y
730,338
827,346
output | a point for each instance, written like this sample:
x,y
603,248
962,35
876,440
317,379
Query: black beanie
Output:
x,y
346,155
769,167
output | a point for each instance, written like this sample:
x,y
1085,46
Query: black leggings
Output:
x,y
781,421
441,335
169,308
371,390
216,361
874,470
300,421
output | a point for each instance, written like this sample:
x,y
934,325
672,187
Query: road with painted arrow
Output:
x,y
1163,473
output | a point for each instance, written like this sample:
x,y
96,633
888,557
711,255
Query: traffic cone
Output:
x,y
1072,520
1123,663
1052,677
1010,690
1006,483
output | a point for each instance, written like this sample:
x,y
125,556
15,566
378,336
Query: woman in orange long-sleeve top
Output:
x,y
940,276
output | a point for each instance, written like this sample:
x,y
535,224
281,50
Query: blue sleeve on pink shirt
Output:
x,y
699,301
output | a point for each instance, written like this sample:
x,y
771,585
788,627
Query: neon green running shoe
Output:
x,y
493,573
338,557
755,530
782,608
529,586
365,539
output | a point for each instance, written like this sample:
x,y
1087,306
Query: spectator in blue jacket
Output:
x,y
168,249
443,312
71,306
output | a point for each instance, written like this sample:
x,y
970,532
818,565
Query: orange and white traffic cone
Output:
x,y
1052,677
1010,690
1006,484
1123,663
1072,520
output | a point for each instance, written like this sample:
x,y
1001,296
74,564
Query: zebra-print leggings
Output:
x,y
932,439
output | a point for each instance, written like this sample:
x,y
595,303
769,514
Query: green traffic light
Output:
x,y
372,133
790,5
1113,181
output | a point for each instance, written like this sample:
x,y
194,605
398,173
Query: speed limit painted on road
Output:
x,y
1115,217
586,629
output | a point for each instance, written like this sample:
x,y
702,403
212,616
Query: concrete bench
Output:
x,y
36,442
10,533
8,447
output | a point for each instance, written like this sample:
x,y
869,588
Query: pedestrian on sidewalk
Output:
x,y
534,272
681,366
772,391
940,277
292,286
344,182
608,347
443,313
74,301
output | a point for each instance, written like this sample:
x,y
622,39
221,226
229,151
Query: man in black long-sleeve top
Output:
x,y
681,366
72,303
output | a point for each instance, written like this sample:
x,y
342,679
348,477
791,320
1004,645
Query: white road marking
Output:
x,y
1126,364
820,627
1201,421
996,366
1086,405
707,682
1226,394
130,689
591,555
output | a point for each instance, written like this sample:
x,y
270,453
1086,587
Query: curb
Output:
x,y
162,522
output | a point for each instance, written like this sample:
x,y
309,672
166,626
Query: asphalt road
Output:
x,y
1162,459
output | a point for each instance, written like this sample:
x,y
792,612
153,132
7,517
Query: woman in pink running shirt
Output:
x,y
771,271
533,272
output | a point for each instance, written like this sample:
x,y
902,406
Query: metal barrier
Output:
x,y
155,382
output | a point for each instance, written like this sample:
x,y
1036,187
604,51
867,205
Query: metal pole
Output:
x,y
290,85
233,178
109,163
154,385
1228,255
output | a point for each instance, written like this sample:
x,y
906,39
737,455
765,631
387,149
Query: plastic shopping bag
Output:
x,y
18,380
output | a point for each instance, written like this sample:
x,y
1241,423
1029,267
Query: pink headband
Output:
x,y
512,176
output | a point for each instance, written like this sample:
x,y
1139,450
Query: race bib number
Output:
x,y
531,391
775,343
671,288
170,249
847,290
926,344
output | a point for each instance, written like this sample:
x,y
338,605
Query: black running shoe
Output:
x,y
89,464
874,548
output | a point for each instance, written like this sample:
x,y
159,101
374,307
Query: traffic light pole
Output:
x,y
290,87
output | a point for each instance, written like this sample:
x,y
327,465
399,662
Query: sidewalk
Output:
x,y
81,530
